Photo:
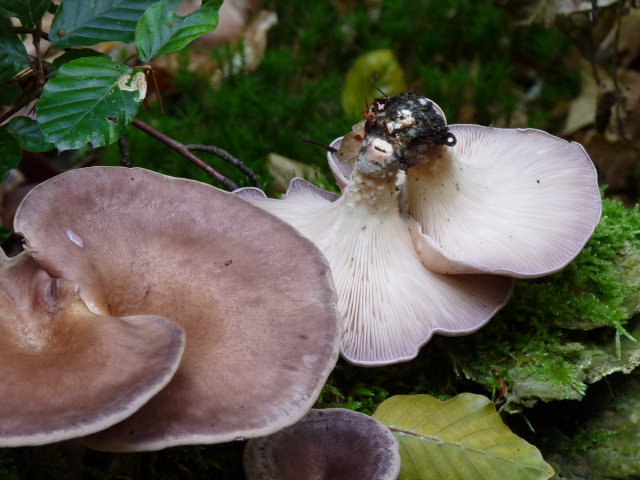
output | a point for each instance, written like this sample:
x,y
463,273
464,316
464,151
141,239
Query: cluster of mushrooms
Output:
x,y
148,311
435,221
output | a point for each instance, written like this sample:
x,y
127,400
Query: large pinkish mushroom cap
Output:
x,y
330,444
516,202
254,297
67,372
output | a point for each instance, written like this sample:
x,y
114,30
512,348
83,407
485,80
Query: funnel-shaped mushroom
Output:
x,y
474,200
390,303
65,371
332,444
255,298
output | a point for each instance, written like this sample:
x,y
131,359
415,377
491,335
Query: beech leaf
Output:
x,y
9,153
161,30
460,438
90,100
13,55
82,23
28,134
28,11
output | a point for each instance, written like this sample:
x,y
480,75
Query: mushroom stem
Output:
x,y
378,194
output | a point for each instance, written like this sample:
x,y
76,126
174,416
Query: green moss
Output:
x,y
547,335
462,54
465,56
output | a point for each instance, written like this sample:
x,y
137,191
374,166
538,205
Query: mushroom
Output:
x,y
255,298
390,303
343,151
518,202
66,371
331,444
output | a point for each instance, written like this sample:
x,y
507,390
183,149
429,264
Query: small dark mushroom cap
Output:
x,y
254,297
332,444
65,371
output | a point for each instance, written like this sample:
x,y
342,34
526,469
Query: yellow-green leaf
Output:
x,y
462,438
372,73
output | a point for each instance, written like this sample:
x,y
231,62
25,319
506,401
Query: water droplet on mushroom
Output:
x,y
309,360
73,236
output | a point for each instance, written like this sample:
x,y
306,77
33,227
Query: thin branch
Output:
x,y
326,146
593,15
29,94
184,151
227,157
37,35
620,97
29,31
125,159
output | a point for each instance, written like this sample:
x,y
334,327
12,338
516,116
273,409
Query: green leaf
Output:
x,y
28,134
9,153
378,68
460,438
9,93
13,55
29,12
91,100
82,23
72,55
161,31
4,234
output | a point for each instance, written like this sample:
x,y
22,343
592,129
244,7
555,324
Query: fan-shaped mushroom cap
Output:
x,y
517,202
332,444
255,298
390,303
65,371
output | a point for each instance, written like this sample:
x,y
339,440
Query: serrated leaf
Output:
x,y
29,12
72,54
377,68
13,55
91,100
82,23
460,438
161,31
9,153
28,134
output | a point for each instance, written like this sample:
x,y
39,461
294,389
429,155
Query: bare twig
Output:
x,y
37,35
620,97
125,159
184,151
31,32
29,94
327,147
227,157
593,15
